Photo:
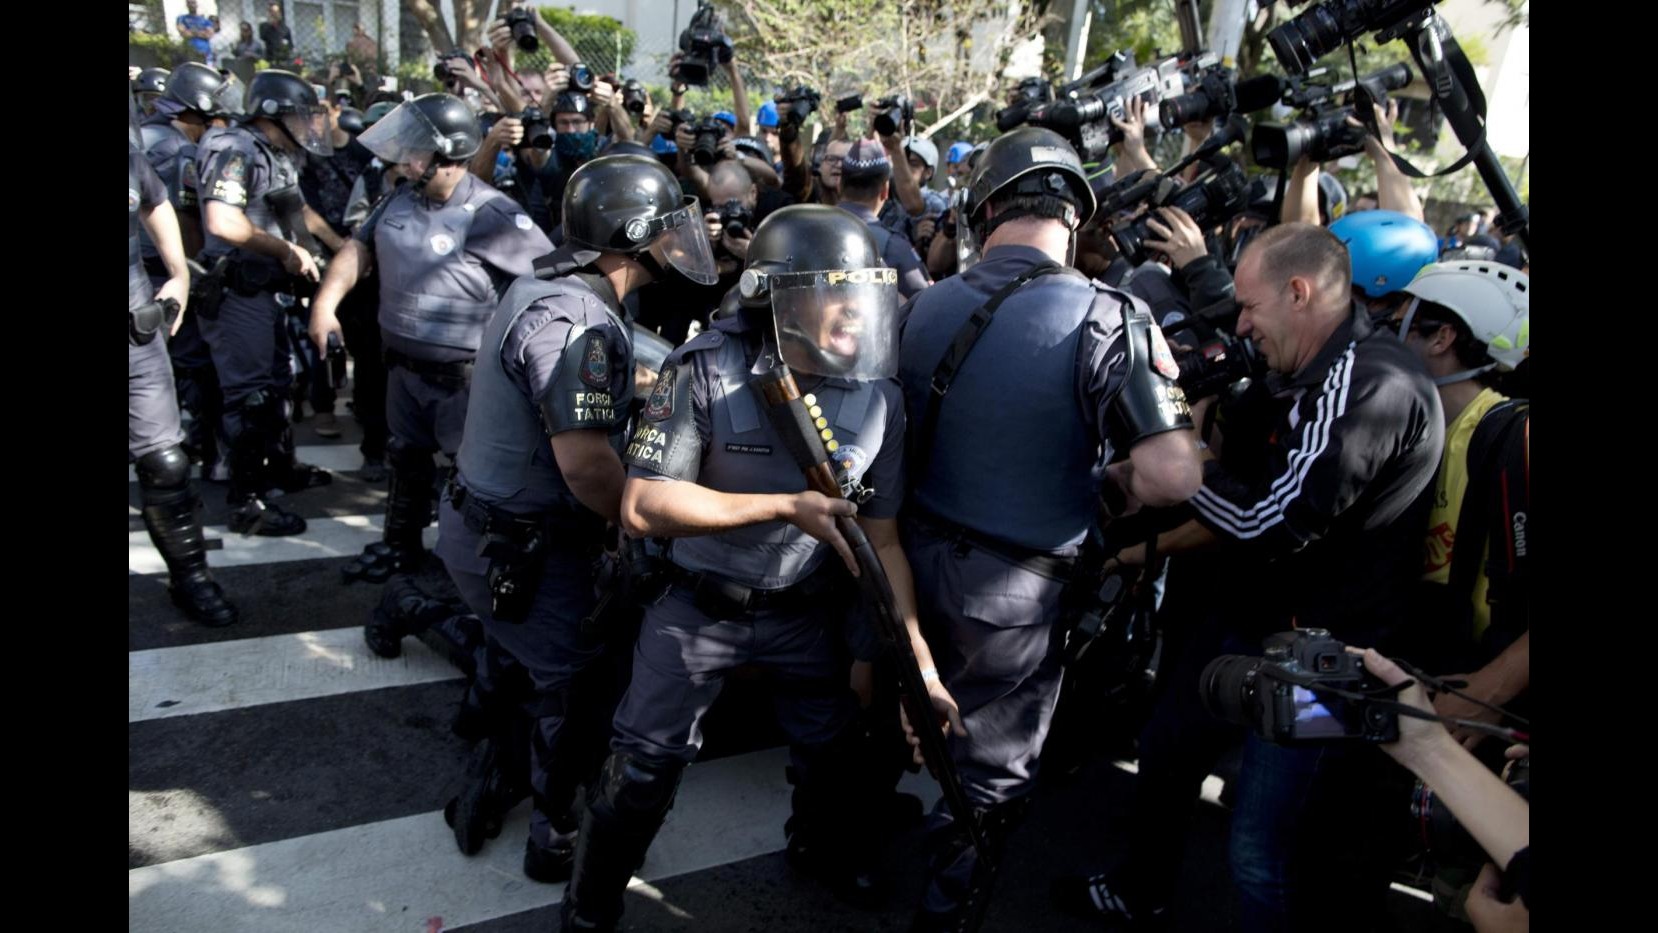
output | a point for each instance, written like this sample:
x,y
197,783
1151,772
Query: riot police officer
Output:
x,y
150,84
755,577
191,101
1016,397
539,475
254,214
153,433
445,247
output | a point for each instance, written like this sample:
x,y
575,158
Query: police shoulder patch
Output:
x,y
850,459
660,406
595,362
236,167
1161,359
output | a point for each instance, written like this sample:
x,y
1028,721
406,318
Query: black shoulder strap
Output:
x,y
955,354
1494,508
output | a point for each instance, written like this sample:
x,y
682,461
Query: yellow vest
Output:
x,y
1450,486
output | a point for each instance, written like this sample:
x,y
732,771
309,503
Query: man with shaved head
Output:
x,y
1335,525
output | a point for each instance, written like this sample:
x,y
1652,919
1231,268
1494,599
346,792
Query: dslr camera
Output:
x,y
1217,360
849,103
709,134
704,47
581,78
442,70
1284,697
633,96
1322,134
802,101
522,25
736,220
893,113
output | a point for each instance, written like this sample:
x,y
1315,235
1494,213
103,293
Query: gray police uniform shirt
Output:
x,y
240,167
562,361
1023,434
704,423
896,251
144,192
443,266
173,156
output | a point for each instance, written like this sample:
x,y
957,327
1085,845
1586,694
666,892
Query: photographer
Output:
x,y
730,215
1468,322
1336,519
1496,815
501,33
521,167
863,182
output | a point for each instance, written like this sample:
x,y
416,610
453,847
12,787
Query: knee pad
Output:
x,y
636,791
165,469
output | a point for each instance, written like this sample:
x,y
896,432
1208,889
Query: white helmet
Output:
x,y
1492,299
927,150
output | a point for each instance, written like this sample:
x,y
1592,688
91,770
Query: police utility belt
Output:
x,y
1038,562
455,374
145,322
517,547
727,600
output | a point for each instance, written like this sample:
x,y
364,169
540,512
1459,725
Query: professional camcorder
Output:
x,y
802,101
704,46
1326,27
1084,118
1323,133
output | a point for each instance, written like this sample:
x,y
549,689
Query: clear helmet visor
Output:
x,y
309,127
402,137
967,243
681,241
841,323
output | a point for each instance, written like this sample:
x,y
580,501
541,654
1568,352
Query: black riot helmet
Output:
x,y
834,306
150,84
1029,160
290,101
632,205
436,128
195,87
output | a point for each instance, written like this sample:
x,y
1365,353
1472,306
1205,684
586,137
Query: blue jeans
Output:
x,y
1313,836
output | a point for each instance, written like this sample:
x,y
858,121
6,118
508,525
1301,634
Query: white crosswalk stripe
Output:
x,y
342,536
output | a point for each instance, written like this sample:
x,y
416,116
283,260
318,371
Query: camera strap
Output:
x,y
1464,74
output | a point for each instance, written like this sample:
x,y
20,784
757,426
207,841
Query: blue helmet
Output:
x,y
958,152
768,114
1387,249
727,117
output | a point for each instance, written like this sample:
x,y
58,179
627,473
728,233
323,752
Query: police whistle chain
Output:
x,y
796,426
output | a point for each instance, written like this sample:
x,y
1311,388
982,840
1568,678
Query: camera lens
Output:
x,y
1307,38
1228,692
1179,111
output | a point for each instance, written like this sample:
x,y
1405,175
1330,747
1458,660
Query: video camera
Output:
x,y
1085,119
1217,195
893,113
802,101
704,45
1214,91
1326,27
1323,133
1306,688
